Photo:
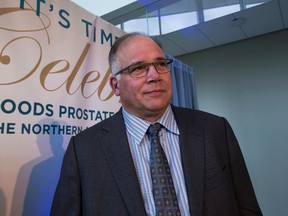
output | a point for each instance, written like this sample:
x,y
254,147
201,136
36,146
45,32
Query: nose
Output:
x,y
152,73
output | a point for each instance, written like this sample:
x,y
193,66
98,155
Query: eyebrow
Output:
x,y
141,62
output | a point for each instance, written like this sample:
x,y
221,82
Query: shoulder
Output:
x,y
186,113
105,126
199,119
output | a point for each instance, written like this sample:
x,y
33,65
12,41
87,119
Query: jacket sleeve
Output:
x,y
244,192
67,198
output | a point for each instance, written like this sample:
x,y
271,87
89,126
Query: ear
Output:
x,y
114,84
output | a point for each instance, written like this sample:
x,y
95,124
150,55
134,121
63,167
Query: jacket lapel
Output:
x,y
192,153
117,152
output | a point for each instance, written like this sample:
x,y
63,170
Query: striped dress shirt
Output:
x,y
140,149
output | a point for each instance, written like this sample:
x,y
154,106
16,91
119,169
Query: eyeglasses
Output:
x,y
141,69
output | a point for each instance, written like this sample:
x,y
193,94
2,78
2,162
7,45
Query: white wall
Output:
x,y
247,82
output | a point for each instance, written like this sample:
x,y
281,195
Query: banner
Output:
x,y
54,83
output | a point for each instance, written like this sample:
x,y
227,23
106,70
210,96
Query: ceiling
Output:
x,y
262,19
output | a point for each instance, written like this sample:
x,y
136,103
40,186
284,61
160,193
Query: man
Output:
x,y
106,169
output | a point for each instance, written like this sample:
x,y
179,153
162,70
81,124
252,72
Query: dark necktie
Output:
x,y
163,189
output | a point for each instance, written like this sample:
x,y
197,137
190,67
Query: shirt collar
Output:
x,y
168,121
137,127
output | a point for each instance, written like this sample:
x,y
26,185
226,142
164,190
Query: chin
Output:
x,y
157,108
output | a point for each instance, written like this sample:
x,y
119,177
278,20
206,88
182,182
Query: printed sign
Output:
x,y
54,83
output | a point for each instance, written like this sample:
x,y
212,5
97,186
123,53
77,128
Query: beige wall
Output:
x,y
247,82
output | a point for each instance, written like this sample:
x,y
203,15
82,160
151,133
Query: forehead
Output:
x,y
139,48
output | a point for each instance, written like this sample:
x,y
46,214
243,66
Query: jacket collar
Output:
x,y
117,152
192,153
116,149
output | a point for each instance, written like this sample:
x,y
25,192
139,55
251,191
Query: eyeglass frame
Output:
x,y
147,64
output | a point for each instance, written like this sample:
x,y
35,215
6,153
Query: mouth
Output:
x,y
156,92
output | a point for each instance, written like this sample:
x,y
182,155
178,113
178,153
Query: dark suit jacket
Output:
x,y
98,176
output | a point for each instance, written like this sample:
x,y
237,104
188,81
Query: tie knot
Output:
x,y
154,129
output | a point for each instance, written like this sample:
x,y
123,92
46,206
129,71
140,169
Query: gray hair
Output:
x,y
112,58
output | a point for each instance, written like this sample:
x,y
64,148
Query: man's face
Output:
x,y
146,97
